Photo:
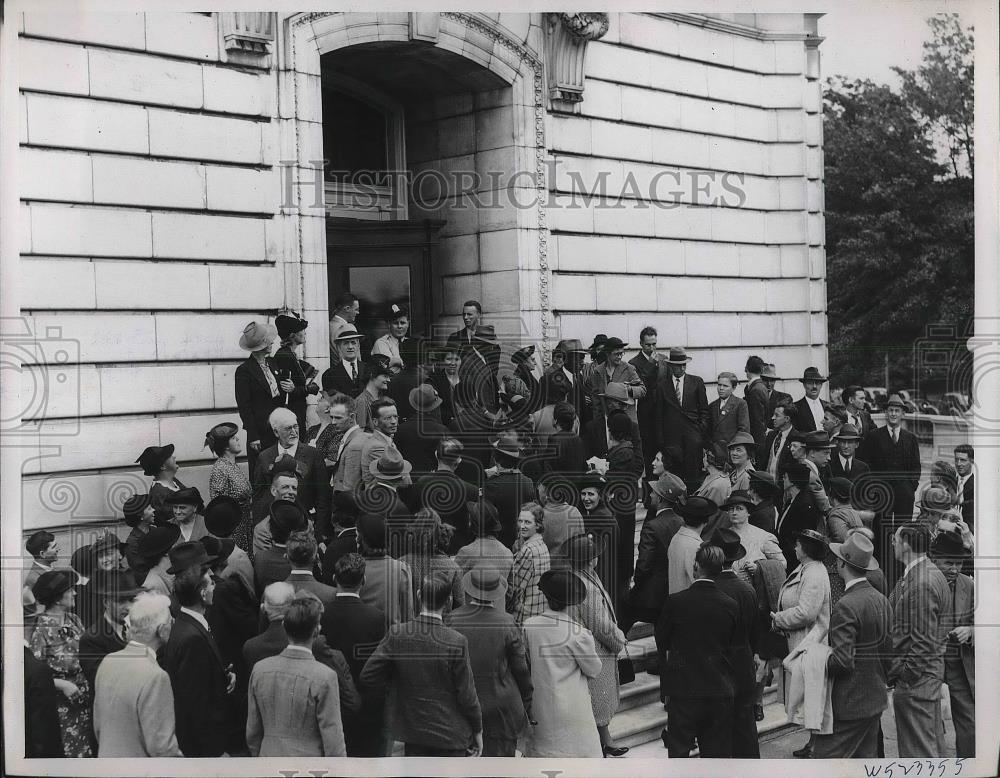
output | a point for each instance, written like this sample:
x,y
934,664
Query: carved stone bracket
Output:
x,y
246,37
424,26
566,39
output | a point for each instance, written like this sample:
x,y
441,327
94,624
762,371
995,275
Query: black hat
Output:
x,y
581,548
696,508
600,341
222,516
188,496
371,528
487,334
797,472
591,480
83,559
738,497
397,311
186,555
762,483
619,424
948,544
729,542
563,585
218,549
288,515
220,432
811,534
158,541
812,374
152,459
289,323
483,518
120,584
378,364
840,488
284,464
818,439
613,344
51,585
106,542
134,507
522,354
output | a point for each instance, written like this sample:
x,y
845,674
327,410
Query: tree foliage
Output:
x,y
899,223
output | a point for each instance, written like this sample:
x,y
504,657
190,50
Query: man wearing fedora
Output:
x,y
681,417
817,459
770,378
116,589
283,475
480,367
844,464
347,374
647,366
950,554
893,454
811,407
756,394
571,355
286,366
258,391
388,583
509,489
859,644
499,661
389,473
159,462
418,436
187,507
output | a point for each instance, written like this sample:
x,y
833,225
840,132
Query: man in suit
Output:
x,y
258,391
949,554
650,586
817,459
681,417
347,475
42,733
44,550
856,407
774,397
347,374
272,564
108,634
964,459
294,706
314,483
700,630
284,477
346,308
844,464
385,418
811,407
859,643
893,454
437,712
187,506
597,432
745,660
756,394
919,602
355,629
134,704
472,312
201,683
388,583
418,436
445,492
499,661
571,355
696,512
614,371
301,554
509,489
647,366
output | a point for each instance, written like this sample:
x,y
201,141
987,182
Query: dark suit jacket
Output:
x,y
920,602
756,398
95,644
314,479
417,439
233,621
595,438
444,389
767,451
701,629
42,732
896,465
355,629
254,401
746,598
859,643
646,406
336,379
270,567
301,581
858,468
428,665
566,453
508,492
969,502
284,364
681,428
764,516
446,493
724,428
801,513
804,420
198,678
961,613
774,399
499,666
650,588
867,425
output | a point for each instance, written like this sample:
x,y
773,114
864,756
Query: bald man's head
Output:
x,y
277,597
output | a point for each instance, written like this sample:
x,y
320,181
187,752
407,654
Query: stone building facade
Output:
x,y
594,173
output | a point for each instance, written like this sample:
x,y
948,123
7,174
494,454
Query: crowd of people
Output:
x,y
435,545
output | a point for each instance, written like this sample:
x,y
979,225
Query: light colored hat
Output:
x,y
618,391
258,335
856,551
347,332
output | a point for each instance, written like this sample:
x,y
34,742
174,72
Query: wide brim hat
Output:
x,y
895,400
487,334
613,344
563,585
120,584
222,516
742,439
184,556
730,543
507,448
187,496
618,391
591,480
848,432
424,398
522,353
218,549
347,332
570,345
287,515
769,373
258,335
378,364
812,374
738,497
696,508
857,551
811,534
668,486
582,548
677,356
949,544
289,323
600,341
484,584
939,500
390,466
818,439
134,507
53,584
158,541
152,459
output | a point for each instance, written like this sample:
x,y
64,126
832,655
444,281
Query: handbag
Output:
x,y
626,670
774,645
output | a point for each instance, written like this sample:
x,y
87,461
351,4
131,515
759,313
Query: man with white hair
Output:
x,y
133,699
314,483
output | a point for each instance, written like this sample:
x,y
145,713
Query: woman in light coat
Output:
x,y
562,655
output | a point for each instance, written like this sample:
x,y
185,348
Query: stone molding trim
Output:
x,y
735,28
566,39
246,37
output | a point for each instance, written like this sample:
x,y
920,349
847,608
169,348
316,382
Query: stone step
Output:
x,y
644,690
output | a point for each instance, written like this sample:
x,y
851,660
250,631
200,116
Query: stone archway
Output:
x,y
511,273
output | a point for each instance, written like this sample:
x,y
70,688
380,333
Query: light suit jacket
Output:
x,y
348,473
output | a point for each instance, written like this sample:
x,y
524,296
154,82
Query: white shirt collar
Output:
x,y
355,595
197,617
301,572
303,649
855,581
913,564
290,450
817,403
569,375
347,366
437,616
844,461
40,566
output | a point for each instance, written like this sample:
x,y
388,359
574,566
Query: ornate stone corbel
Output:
x,y
246,37
566,39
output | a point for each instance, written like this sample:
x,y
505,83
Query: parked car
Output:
x,y
954,403
876,397
917,404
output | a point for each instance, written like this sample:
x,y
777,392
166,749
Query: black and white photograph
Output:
x,y
570,392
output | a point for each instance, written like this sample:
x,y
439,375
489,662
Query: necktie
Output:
x,y
354,372
777,442
895,435
679,391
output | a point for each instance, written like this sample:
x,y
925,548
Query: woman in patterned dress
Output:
x,y
227,478
531,560
56,641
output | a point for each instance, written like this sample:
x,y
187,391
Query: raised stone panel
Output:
x,y
118,442
110,29
733,224
586,326
604,101
233,91
84,231
759,261
817,328
144,79
52,67
86,124
155,183
574,292
761,194
655,256
75,287
617,63
756,123
703,258
55,175
684,294
817,295
713,331
197,136
681,76
792,194
98,337
566,216
198,236
815,200
734,86
791,125
685,222
708,116
786,159
581,176
816,229
786,294
649,107
624,217
760,330
785,227
814,162
623,293
257,288
646,32
789,57
57,392
84,501
782,92
498,250
817,262
738,156
454,255
156,388
795,328
183,35
501,291
569,134
224,380
738,294
456,289
590,254
145,285
622,141
183,336
687,149
752,54
241,189
706,46
794,262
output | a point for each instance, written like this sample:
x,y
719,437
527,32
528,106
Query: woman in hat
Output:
x,y
154,548
531,561
804,603
159,462
486,550
741,464
257,389
842,518
56,641
139,515
105,555
288,368
562,655
389,345
227,478
716,485
597,614
526,380
759,544
801,512
426,543
728,414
